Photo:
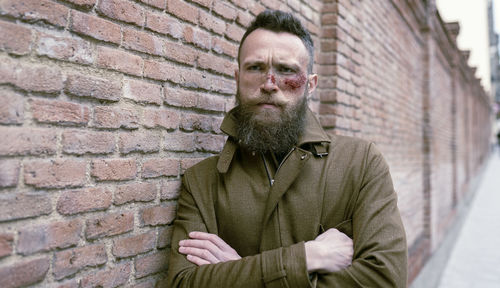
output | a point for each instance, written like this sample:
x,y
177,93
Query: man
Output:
x,y
285,204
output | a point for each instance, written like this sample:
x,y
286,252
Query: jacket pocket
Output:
x,y
345,227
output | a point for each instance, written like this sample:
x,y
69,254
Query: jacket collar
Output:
x,y
313,133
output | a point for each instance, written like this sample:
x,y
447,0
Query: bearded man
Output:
x,y
286,204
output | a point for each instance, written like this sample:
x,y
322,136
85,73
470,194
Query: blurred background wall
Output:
x,y
106,102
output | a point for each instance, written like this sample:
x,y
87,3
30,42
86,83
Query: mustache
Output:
x,y
264,99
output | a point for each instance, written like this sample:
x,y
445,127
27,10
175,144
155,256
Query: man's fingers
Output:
x,y
195,253
210,237
197,260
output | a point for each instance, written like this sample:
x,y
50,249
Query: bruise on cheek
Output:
x,y
296,81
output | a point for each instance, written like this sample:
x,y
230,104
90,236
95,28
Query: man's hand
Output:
x,y
205,248
329,252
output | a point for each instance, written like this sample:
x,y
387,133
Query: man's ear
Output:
x,y
312,83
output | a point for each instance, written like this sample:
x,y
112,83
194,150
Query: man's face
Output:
x,y
272,76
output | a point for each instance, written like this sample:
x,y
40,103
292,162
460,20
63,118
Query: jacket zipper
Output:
x,y
271,179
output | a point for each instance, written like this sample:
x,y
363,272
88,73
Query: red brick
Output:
x,y
6,241
206,3
199,122
160,167
180,53
186,163
8,67
225,10
30,10
211,103
217,64
134,245
170,190
38,78
123,10
183,10
83,3
146,142
159,215
59,112
165,236
210,142
81,142
148,283
234,32
14,38
69,262
68,284
84,200
244,4
180,98
151,264
164,71
48,237
164,24
162,4
113,169
63,48
136,192
143,92
109,225
95,27
142,42
162,118
198,37
9,173
56,173
93,87
222,46
119,61
114,118
212,23
24,273
180,142
27,141
109,278
12,108
21,206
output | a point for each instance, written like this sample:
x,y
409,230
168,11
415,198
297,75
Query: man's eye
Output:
x,y
287,70
254,68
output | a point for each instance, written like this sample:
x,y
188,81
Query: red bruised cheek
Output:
x,y
294,82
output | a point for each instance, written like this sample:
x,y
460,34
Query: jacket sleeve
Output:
x,y
380,251
282,267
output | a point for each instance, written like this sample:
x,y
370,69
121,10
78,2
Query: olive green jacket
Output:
x,y
266,211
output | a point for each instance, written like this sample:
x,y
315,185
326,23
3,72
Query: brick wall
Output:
x,y
106,102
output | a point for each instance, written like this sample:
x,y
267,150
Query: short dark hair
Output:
x,y
280,21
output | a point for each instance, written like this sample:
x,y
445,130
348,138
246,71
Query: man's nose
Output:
x,y
270,83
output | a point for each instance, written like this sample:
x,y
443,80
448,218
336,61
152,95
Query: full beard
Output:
x,y
270,132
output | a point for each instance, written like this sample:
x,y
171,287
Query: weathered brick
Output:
x,y
21,206
164,24
145,142
143,92
113,169
234,32
136,192
165,236
123,10
14,38
55,173
12,108
38,78
244,18
68,284
170,190
142,42
114,118
59,112
151,264
164,71
9,172
180,97
94,87
217,64
180,53
109,225
83,3
243,4
183,10
180,141
27,141
198,37
69,262
119,60
95,27
47,237
80,142
84,200
211,103
212,23
64,48
222,46
225,10
199,122
162,4
206,3
108,278
134,245
24,273
6,241
159,215
162,118
210,142
186,163
44,10
148,283
160,167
